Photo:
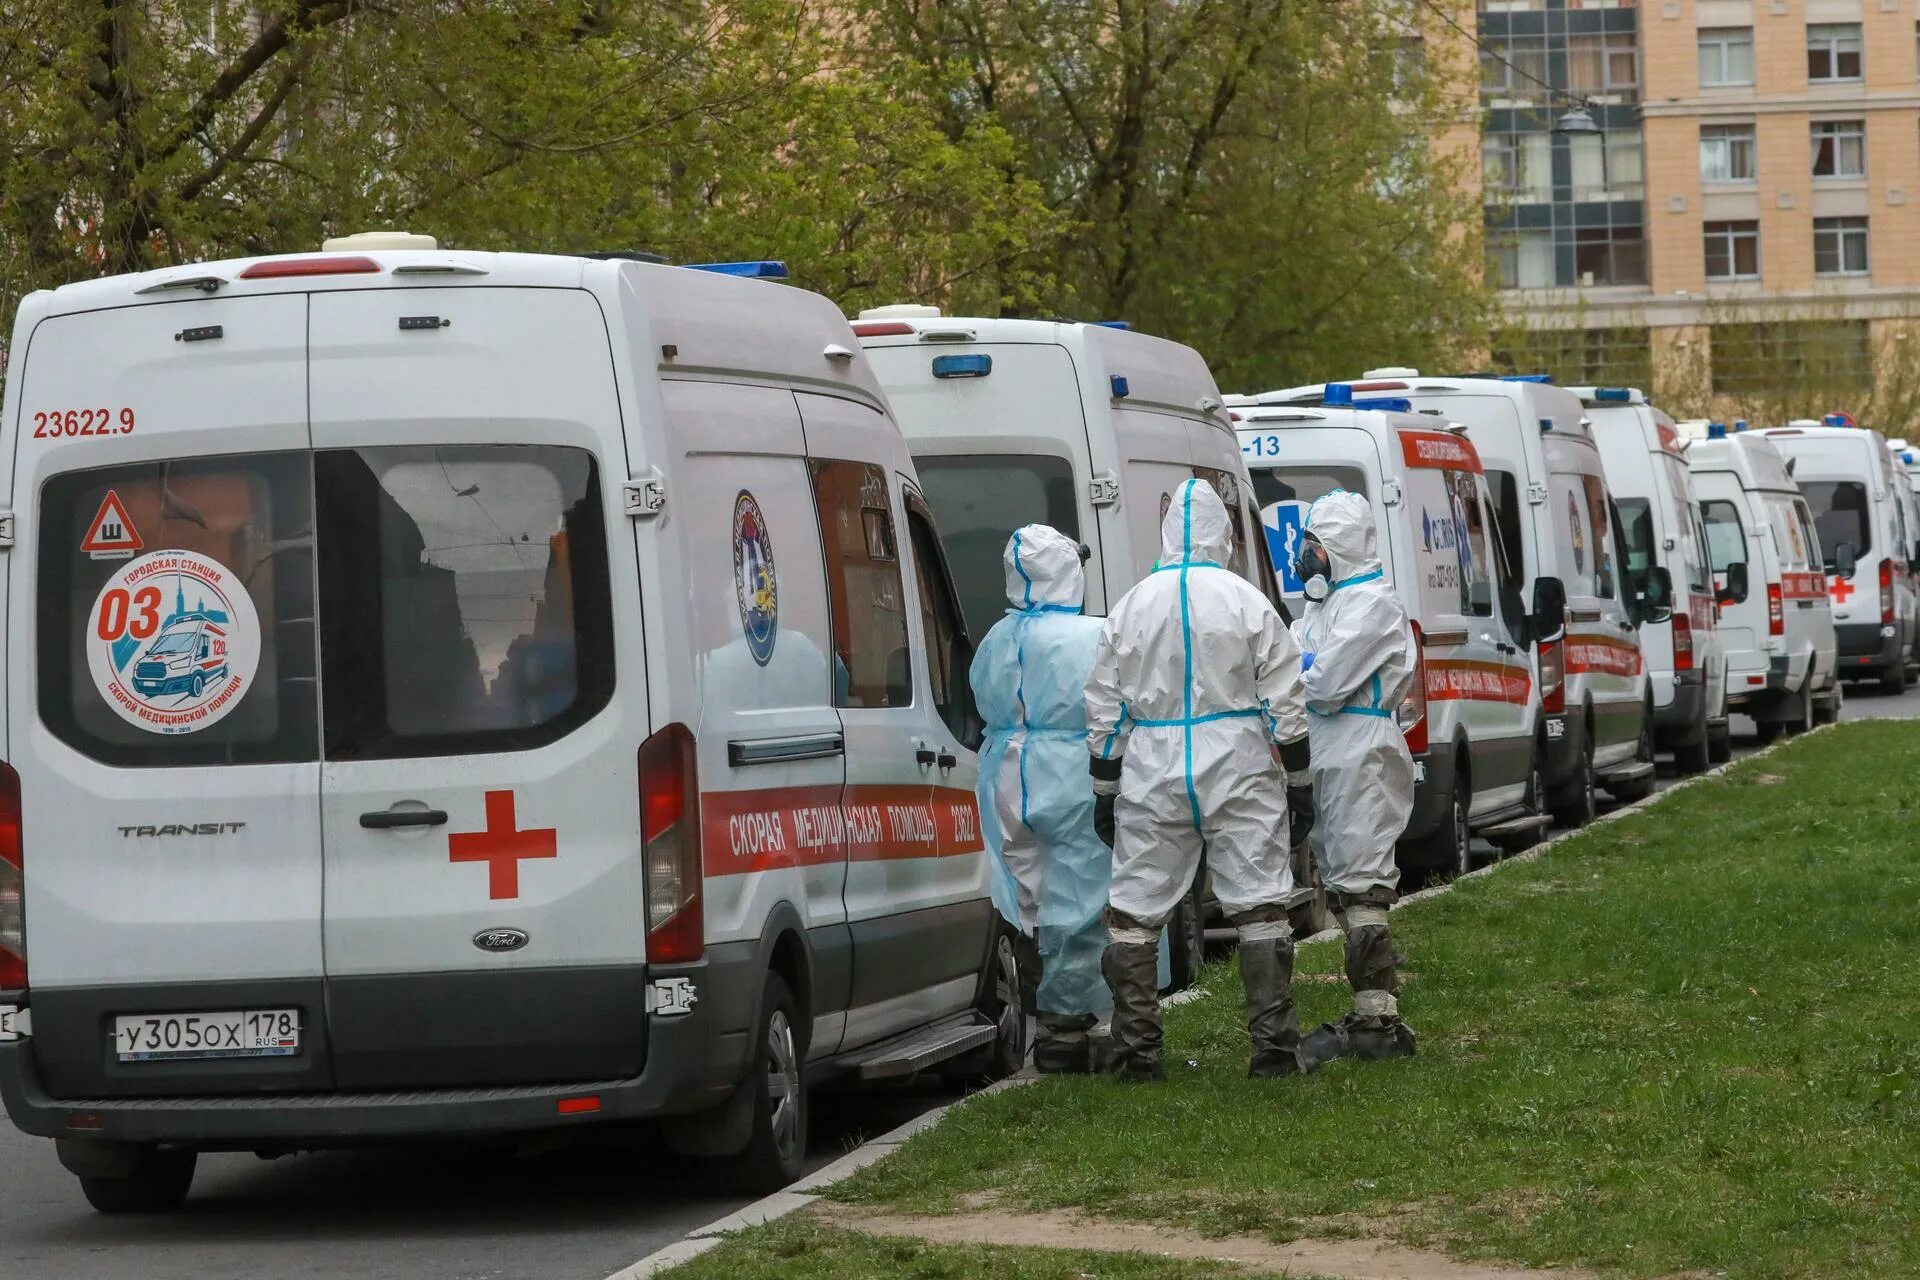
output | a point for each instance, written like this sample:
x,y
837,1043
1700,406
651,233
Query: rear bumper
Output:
x,y
1866,647
1433,785
681,1072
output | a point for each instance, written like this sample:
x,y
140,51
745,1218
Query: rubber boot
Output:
x,y
1060,1044
1132,973
1325,1043
1266,970
1374,1030
1374,1039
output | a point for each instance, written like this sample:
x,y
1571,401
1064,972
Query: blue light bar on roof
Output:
x,y
1527,377
1118,385
1716,431
1616,395
1339,395
746,270
1389,404
1110,324
1906,456
1739,424
1835,420
973,366
1546,425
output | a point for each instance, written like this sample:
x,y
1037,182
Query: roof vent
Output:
x,y
367,240
1395,372
900,311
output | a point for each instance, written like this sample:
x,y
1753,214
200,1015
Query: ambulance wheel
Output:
x,y
1802,718
1767,730
1694,757
1893,680
1450,847
777,1149
1826,710
1005,995
1576,804
1720,742
197,685
158,1183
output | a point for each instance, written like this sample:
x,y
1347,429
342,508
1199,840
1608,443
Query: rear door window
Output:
x,y
1726,536
979,500
204,656
865,592
1840,514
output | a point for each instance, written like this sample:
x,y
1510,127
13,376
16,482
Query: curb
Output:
x,y
808,1189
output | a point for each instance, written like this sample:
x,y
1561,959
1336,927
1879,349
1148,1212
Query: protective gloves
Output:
x,y
1300,813
1106,786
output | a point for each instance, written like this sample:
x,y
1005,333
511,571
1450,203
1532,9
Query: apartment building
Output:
x,y
1749,208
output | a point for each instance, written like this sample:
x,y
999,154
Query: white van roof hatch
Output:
x,y
1751,456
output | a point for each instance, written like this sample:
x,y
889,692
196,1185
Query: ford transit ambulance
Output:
x,y
1776,618
1089,428
1550,500
587,740
1647,472
1472,719
1852,487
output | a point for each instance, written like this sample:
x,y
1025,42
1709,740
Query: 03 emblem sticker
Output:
x,y
173,642
753,579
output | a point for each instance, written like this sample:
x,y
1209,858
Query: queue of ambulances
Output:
x,y
1854,492
1776,621
1647,473
1088,427
593,739
1473,718
1550,501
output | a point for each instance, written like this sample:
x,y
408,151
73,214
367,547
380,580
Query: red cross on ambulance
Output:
x,y
1841,590
502,847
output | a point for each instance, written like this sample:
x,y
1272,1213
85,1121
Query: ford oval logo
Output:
x,y
500,939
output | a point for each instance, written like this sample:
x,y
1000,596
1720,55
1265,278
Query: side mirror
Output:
x,y
1549,617
1735,592
1845,559
1480,597
1658,596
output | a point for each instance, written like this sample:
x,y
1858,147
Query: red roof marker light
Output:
x,y
334,264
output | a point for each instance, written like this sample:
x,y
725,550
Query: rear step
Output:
x,y
918,1050
1516,826
1624,773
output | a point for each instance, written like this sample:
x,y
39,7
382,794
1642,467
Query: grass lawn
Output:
x,y
1684,1041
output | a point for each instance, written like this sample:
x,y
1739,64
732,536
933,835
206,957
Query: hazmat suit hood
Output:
x,y
1342,523
1196,528
1043,570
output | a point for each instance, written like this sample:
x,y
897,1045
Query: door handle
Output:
x,y
383,819
925,756
948,760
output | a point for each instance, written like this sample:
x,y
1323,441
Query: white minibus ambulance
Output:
x,y
585,729
1647,472
1776,621
1472,719
1550,501
1849,481
1087,427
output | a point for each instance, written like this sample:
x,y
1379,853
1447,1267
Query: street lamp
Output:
x,y
1577,122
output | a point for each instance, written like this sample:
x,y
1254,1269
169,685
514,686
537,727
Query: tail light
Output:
x,y
670,846
1886,590
13,886
1682,642
1412,716
1776,611
1553,676
333,264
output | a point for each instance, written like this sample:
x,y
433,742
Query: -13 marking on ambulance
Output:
x,y
56,424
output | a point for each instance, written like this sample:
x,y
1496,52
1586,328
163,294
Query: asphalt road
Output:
x,y
436,1213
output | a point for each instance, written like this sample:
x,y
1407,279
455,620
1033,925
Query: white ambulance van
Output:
x,y
584,735
1776,621
1089,428
1647,472
1550,501
1849,482
1473,718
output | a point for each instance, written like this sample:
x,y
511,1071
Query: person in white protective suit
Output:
x,y
1358,656
1036,805
1196,681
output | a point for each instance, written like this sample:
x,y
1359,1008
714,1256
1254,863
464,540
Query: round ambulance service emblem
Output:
x,y
173,642
753,579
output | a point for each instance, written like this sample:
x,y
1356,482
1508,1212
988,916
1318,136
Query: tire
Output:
x,y
1828,712
198,685
1004,993
1642,754
1312,916
1186,940
777,1150
1694,757
1720,742
1450,846
1767,730
1535,801
1802,719
1575,805
1893,680
158,1184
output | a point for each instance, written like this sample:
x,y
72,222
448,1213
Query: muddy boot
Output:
x,y
1060,1044
1374,1030
1374,1039
1131,970
1266,970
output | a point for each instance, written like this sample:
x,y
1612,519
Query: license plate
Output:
x,y
244,1033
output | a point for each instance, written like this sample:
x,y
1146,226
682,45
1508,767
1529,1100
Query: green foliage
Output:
x,y
146,132
1250,176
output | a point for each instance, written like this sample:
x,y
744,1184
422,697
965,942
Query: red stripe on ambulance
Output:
x,y
1602,655
1803,586
1440,450
1464,680
767,830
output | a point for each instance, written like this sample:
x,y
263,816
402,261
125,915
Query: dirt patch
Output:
x,y
1765,779
1359,1258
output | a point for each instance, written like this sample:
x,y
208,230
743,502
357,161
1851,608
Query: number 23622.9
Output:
x,y
56,424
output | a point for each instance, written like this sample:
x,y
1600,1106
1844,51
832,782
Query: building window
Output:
x,y
1604,66
1726,55
1517,167
1514,69
1733,250
1833,51
1522,259
1606,166
1609,255
1726,153
1839,148
1772,357
1617,357
1840,246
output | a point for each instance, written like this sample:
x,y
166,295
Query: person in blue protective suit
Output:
x,y
1196,682
1358,655
1036,803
